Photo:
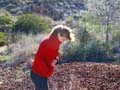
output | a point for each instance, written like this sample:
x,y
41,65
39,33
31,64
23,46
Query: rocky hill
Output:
x,y
56,9
70,76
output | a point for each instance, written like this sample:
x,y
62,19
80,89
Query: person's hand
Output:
x,y
57,57
54,63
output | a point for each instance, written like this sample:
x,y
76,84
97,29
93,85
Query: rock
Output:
x,y
19,12
1,82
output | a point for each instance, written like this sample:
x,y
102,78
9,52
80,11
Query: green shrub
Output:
x,y
32,23
4,12
2,38
82,35
6,23
5,59
97,52
92,51
6,26
116,36
115,43
6,20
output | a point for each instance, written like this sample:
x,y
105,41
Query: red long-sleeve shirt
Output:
x,y
47,52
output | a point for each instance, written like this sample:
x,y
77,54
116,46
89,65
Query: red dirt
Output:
x,y
71,76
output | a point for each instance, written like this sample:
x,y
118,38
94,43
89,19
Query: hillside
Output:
x,y
56,9
71,76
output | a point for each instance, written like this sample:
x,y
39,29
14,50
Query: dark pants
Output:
x,y
41,83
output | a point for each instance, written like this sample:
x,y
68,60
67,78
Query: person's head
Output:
x,y
62,32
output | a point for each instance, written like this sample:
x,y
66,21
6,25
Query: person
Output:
x,y
47,56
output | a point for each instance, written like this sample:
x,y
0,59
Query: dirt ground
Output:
x,y
70,76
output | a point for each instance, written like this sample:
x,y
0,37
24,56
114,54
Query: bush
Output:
x,y
97,52
92,51
4,12
115,42
32,23
6,23
82,35
116,36
6,26
4,59
67,52
2,38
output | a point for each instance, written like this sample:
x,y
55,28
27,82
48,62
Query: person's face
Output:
x,y
62,38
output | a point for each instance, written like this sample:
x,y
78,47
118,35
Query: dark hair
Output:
x,y
64,31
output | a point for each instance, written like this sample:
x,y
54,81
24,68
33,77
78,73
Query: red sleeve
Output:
x,y
51,68
50,71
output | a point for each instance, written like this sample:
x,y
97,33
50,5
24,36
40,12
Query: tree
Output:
x,y
106,12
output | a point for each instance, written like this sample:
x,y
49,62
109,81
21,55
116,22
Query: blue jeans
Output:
x,y
41,83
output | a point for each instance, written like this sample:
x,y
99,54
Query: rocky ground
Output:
x,y
72,76
55,9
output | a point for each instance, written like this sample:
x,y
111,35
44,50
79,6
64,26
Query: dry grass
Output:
x,y
24,49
